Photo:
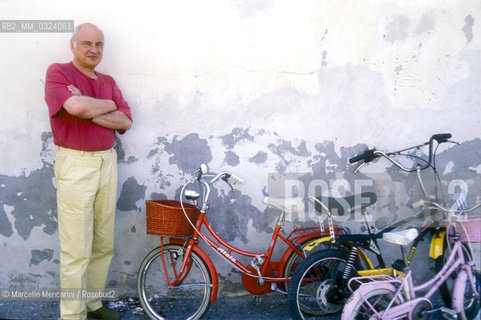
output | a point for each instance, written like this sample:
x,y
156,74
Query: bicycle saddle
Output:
x,y
402,238
341,206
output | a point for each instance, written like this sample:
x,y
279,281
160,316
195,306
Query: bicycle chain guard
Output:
x,y
251,283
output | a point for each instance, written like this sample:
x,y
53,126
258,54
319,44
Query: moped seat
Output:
x,y
402,238
341,206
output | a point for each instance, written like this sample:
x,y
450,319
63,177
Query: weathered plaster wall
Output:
x,y
254,87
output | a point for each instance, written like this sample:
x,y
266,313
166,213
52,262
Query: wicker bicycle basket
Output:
x,y
165,218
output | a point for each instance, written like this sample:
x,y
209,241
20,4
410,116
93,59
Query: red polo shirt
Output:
x,y
73,132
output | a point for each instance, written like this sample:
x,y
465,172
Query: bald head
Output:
x,y
84,26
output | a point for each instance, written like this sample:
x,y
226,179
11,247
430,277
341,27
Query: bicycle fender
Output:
x,y
311,245
365,288
437,244
210,265
304,239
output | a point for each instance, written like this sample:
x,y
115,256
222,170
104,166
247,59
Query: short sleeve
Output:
x,y
122,105
56,92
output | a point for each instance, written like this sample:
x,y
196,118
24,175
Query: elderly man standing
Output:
x,y
86,109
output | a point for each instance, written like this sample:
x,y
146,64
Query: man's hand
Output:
x,y
74,90
116,120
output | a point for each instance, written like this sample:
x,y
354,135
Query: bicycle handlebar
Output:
x,y
371,154
367,156
225,176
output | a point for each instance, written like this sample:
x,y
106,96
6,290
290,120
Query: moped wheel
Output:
x,y
368,305
189,299
317,287
471,302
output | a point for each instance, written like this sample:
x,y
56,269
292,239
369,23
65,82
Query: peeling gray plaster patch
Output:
x,y
397,28
118,148
230,214
259,158
465,156
121,153
325,152
33,199
41,255
157,196
156,153
468,28
131,193
6,229
467,91
426,24
231,158
283,149
189,153
237,135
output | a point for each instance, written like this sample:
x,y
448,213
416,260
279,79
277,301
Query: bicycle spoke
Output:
x,y
188,298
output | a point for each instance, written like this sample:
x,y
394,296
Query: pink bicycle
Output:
x,y
178,280
398,298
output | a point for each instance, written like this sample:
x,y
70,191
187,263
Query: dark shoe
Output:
x,y
103,313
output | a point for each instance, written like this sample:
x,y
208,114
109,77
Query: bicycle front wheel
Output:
x,y
471,301
188,299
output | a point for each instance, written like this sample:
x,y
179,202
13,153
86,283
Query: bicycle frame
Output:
x,y
369,242
265,272
406,291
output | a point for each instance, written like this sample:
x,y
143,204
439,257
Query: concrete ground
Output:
x,y
245,307
272,306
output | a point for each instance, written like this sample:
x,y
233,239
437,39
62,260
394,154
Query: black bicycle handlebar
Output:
x,y
372,153
367,156
441,137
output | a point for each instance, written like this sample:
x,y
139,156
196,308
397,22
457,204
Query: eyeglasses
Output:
x,y
89,44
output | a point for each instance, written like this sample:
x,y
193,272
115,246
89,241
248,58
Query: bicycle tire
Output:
x,y
294,259
188,300
471,304
311,292
356,308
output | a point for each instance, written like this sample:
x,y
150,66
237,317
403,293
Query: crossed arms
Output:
x,y
100,111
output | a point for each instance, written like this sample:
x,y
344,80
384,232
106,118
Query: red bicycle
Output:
x,y
178,280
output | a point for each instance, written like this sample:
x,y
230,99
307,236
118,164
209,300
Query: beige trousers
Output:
x,y
86,198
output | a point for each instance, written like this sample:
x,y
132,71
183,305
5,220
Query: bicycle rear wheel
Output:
x,y
370,304
294,259
189,299
317,287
